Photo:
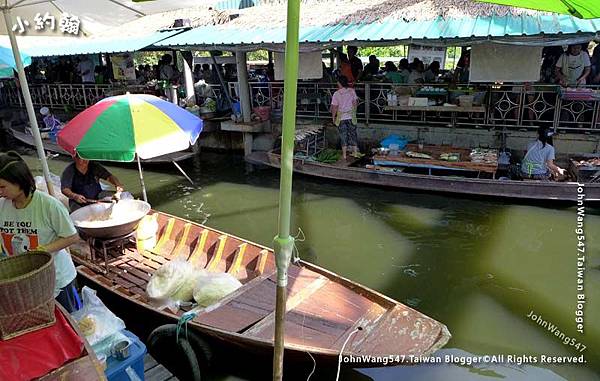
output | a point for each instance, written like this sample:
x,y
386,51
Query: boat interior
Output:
x,y
323,309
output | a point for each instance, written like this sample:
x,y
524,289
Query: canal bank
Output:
x,y
479,267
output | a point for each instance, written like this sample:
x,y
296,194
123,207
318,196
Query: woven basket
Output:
x,y
26,293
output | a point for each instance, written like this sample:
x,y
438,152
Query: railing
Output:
x,y
510,107
504,107
76,96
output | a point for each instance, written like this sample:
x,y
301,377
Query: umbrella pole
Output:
x,y
284,243
142,178
183,172
37,138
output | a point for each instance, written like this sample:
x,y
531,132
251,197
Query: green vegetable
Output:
x,y
328,156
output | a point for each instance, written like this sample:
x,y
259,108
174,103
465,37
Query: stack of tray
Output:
x,y
309,140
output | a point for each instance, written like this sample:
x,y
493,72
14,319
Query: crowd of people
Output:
x,y
572,67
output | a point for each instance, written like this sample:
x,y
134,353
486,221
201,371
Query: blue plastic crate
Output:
x,y
115,369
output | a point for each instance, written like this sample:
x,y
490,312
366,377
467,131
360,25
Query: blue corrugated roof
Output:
x,y
98,45
391,30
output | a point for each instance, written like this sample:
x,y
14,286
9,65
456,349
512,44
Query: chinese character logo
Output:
x,y
69,23
21,25
42,21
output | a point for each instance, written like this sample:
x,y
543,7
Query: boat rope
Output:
x,y
296,252
337,377
183,320
307,352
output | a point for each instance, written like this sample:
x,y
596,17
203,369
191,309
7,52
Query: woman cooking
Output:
x,y
80,182
538,163
34,220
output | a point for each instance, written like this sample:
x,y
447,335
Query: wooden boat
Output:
x,y
508,189
55,148
323,308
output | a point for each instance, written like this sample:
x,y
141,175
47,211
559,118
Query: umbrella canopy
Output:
x,y
7,60
584,9
121,127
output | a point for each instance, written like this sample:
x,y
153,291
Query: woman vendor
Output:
x,y
34,220
80,182
343,112
538,163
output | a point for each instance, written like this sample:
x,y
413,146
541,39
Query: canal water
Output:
x,y
479,266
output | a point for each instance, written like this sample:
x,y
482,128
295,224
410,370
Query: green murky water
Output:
x,y
478,266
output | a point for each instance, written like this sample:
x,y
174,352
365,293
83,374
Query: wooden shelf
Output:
x,y
437,108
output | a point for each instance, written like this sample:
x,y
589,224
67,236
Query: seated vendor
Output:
x,y
80,182
538,163
51,123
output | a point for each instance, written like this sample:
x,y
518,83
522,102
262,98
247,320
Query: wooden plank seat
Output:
x,y
322,309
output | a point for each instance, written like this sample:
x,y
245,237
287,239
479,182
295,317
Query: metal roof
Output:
x,y
75,46
440,30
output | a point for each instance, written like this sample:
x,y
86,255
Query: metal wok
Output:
x,y
98,221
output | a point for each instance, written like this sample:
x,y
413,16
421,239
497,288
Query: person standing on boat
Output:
x,y
80,182
538,163
343,111
34,220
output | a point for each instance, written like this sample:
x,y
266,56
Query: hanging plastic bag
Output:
x,y
40,184
212,287
147,232
172,284
95,321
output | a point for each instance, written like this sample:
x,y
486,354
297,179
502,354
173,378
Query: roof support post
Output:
x,y
188,78
243,87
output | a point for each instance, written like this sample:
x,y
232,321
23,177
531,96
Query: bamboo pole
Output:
x,y
284,243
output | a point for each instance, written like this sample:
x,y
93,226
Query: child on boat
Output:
x,y
343,112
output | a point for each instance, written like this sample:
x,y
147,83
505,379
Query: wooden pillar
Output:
x,y
244,91
248,141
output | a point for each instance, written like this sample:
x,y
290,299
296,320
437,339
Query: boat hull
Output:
x,y
323,308
503,189
55,148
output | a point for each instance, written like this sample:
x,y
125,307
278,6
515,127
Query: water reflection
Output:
x,y
477,266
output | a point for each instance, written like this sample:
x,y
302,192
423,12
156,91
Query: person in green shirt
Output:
x,y
33,220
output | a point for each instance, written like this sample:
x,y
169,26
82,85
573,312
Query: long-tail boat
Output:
x,y
525,190
323,308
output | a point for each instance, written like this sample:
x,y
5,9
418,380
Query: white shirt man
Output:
x,y
86,69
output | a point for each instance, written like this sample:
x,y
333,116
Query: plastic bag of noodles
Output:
x,y
212,287
172,285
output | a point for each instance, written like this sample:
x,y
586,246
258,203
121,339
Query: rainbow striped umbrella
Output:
x,y
119,128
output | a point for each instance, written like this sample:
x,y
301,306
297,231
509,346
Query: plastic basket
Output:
x,y
26,293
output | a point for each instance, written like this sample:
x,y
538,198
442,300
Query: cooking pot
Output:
x,y
102,220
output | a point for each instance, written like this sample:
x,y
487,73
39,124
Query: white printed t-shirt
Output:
x,y
41,222
575,66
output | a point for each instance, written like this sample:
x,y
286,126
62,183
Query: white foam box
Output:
x,y
414,101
